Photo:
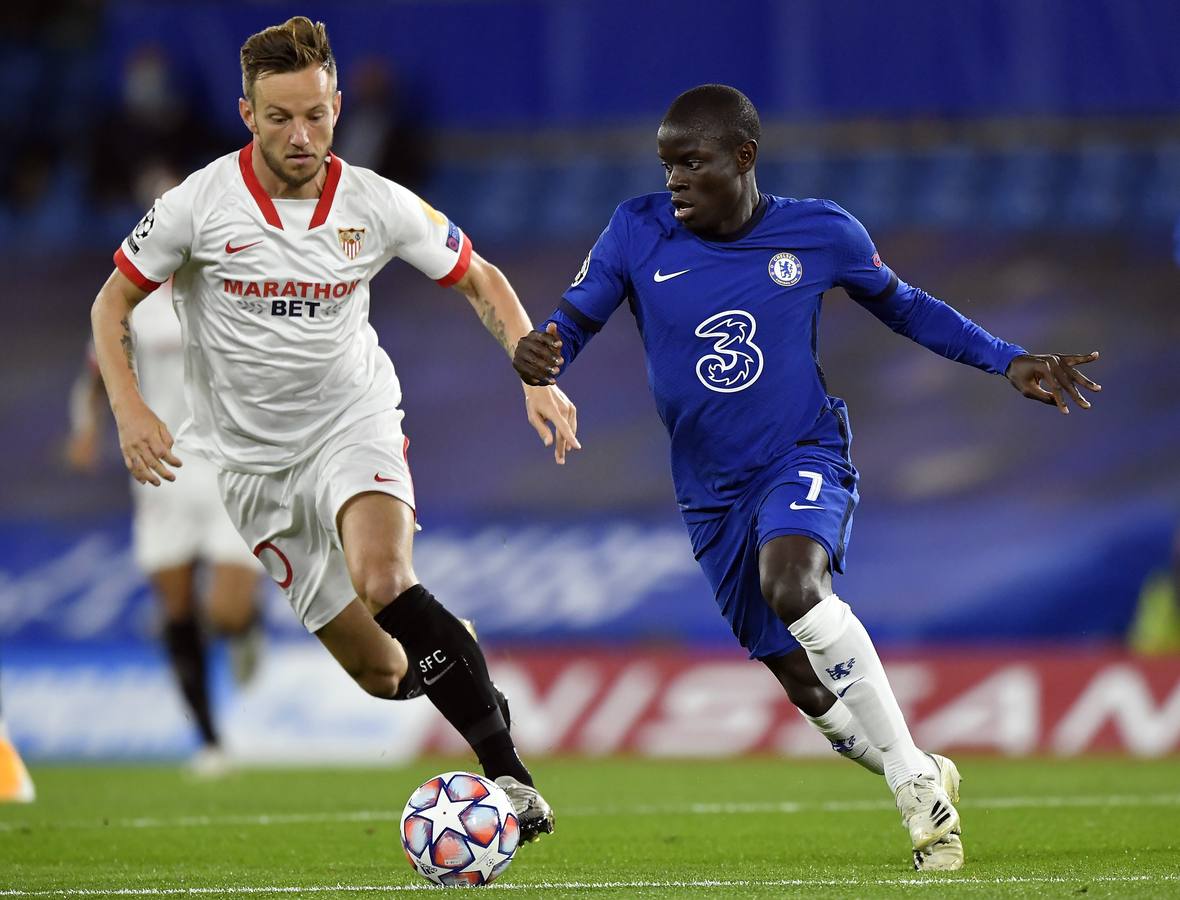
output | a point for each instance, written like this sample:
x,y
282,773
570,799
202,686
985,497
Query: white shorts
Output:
x,y
289,517
183,521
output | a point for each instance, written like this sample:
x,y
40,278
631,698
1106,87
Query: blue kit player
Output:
x,y
725,285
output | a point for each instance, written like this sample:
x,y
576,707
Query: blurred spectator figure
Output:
x,y
380,131
15,784
1155,629
29,177
1156,626
155,125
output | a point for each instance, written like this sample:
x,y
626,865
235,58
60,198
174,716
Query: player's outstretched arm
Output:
x,y
1049,377
549,410
143,438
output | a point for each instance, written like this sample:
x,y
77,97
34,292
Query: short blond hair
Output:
x,y
296,44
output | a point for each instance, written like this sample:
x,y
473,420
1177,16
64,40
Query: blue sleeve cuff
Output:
x,y
575,329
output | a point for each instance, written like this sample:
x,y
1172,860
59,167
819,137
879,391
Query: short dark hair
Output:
x,y
291,47
718,112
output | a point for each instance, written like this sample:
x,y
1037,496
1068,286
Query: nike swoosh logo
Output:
x,y
658,277
842,691
378,478
430,681
230,249
797,505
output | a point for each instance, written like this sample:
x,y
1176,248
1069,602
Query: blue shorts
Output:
x,y
810,491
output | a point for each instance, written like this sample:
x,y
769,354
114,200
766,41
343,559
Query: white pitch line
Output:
x,y
596,885
700,809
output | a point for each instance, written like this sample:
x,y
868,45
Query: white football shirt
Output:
x,y
273,301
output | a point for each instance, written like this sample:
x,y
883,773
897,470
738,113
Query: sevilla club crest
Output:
x,y
351,240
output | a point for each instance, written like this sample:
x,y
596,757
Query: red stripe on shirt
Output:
x,y
456,274
136,277
320,216
254,186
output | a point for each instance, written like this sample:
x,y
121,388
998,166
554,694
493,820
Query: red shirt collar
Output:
x,y
266,204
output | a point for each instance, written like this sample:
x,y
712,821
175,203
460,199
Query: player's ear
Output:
x,y
747,154
336,108
246,111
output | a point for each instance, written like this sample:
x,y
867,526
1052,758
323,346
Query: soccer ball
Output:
x,y
460,829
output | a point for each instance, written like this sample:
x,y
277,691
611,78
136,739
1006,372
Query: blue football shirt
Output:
x,y
730,328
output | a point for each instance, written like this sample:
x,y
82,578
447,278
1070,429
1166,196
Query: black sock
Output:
x,y
186,649
454,676
410,686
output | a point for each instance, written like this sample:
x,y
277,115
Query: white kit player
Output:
x,y
179,526
271,250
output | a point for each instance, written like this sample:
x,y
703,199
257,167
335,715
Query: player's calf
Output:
x,y
410,685
453,673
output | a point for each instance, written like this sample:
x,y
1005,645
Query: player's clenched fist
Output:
x,y
1050,377
538,356
147,445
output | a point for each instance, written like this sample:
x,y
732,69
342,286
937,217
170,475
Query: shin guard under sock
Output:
x,y
842,655
839,727
454,675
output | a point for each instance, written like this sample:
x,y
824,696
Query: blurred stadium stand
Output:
x,y
1021,160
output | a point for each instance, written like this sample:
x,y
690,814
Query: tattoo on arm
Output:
x,y
491,321
128,343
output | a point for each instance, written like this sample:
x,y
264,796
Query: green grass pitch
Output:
x,y
625,828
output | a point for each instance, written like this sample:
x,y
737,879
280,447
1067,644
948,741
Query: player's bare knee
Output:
x,y
229,621
381,585
791,597
814,700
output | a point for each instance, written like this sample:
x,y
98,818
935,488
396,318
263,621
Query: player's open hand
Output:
x,y
538,359
1049,377
146,445
548,407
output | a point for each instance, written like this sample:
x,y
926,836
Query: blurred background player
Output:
x,y
16,786
760,452
180,525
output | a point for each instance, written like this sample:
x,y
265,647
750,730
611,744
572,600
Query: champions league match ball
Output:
x,y
460,829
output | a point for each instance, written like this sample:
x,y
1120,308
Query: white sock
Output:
x,y
843,656
837,726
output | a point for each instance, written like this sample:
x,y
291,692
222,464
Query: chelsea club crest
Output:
x,y
785,269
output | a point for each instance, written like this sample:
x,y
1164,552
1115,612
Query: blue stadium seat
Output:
x,y
945,186
1096,196
1159,197
1020,193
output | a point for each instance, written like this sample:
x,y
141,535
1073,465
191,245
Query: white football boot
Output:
x,y
926,811
209,763
946,853
536,818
